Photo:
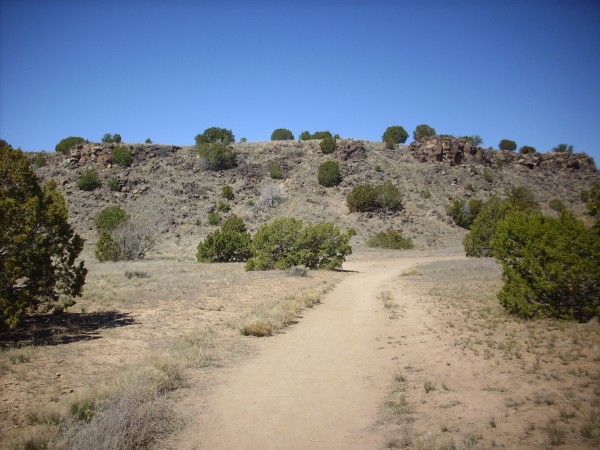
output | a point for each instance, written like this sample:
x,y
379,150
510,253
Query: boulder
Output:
x,y
351,150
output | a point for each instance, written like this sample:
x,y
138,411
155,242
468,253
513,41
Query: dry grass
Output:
x,y
136,340
542,374
136,415
195,348
271,317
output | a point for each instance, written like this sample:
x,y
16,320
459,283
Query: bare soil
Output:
x,y
318,385
409,350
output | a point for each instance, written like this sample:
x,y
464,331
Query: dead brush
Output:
x,y
258,328
388,300
134,418
196,348
136,414
34,437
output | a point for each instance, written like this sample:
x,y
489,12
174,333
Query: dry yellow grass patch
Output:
x,y
268,318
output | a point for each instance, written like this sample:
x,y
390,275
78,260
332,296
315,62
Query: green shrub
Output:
x,y
328,145
463,213
527,150
306,136
275,171
287,242
394,135
281,134
563,148
273,245
426,194
214,218
67,143
391,239
423,131
584,195
110,218
322,246
388,197
122,156
521,198
329,174
551,266
38,161
113,183
227,192
557,205
88,180
592,203
107,249
215,135
223,207
83,410
362,198
127,241
322,135
233,224
38,247
477,242
217,156
231,243
507,144
487,175
108,138
148,141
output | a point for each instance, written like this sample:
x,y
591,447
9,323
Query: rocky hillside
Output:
x,y
170,186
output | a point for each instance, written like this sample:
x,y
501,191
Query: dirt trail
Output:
x,y
317,386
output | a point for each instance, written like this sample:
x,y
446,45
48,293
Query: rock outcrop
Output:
x,y
100,153
461,151
454,151
351,150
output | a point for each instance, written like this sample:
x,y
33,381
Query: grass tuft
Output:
x,y
429,386
258,328
196,348
268,318
136,274
591,428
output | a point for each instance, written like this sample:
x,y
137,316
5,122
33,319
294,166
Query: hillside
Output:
x,y
169,186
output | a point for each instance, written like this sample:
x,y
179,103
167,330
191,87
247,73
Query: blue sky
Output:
x,y
522,70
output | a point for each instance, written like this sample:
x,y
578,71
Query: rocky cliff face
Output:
x,y
461,151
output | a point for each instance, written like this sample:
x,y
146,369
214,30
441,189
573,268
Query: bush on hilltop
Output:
x,y
281,134
67,143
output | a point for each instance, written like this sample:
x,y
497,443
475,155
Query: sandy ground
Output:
x,y
319,385
408,354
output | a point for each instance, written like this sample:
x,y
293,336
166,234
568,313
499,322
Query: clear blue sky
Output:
x,y
524,70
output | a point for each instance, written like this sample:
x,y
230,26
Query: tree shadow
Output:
x,y
63,328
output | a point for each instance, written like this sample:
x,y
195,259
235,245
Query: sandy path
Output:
x,y
317,386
